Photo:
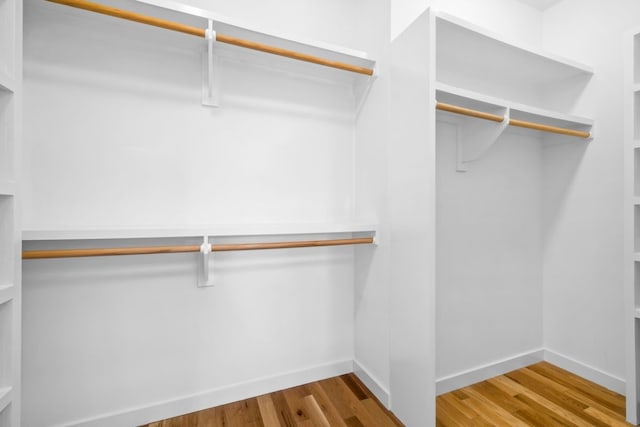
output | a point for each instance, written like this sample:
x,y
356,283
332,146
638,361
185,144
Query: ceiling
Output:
x,y
541,4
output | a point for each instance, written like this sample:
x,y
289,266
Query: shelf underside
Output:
x,y
219,230
462,46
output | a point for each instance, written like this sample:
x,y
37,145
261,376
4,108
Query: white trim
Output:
x,y
585,371
215,397
372,383
481,373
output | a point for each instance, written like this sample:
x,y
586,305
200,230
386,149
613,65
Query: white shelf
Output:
x,y
490,55
6,293
6,395
193,16
220,230
470,99
7,188
637,313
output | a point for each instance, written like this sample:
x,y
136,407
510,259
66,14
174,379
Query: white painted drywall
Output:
x,y
115,136
512,19
372,266
583,187
489,250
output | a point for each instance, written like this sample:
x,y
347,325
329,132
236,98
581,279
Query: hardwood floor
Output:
x,y
539,395
335,402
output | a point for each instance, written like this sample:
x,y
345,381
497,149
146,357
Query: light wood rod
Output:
x,y
200,32
512,122
469,112
292,54
78,253
547,128
283,245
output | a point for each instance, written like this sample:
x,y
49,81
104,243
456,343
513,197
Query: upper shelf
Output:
x,y
464,46
316,60
219,230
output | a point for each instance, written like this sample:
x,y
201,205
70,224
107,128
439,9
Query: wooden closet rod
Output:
x,y
200,32
469,112
512,122
76,253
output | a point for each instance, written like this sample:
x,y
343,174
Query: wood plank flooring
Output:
x,y
539,395
335,402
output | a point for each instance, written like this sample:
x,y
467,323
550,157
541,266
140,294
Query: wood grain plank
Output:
x,y
597,393
267,411
605,418
491,411
450,399
326,405
315,413
376,411
295,401
356,408
565,413
285,417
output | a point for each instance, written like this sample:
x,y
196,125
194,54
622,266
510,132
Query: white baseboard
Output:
x,y
215,397
472,376
481,373
373,384
585,371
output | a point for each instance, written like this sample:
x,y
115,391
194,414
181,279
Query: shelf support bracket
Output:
x,y
210,84
469,149
205,250
361,90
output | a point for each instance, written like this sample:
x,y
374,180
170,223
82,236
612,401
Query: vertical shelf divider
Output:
x,y
10,232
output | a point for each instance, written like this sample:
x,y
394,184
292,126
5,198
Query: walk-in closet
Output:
x,y
319,213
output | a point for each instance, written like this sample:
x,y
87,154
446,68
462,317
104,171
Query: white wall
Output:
x,y
583,307
115,136
489,252
510,18
372,283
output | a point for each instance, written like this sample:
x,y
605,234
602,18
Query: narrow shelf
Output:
x,y
636,87
6,396
474,100
7,188
637,313
489,54
220,230
636,256
6,293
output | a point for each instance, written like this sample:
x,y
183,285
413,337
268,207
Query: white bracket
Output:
x,y
479,138
361,90
210,82
203,275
